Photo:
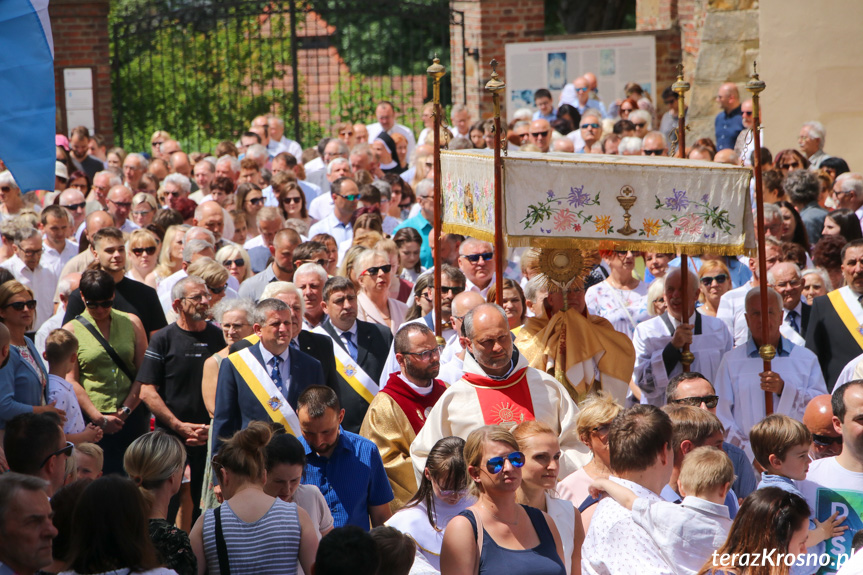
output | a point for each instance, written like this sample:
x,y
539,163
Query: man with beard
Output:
x,y
79,148
170,375
282,268
399,410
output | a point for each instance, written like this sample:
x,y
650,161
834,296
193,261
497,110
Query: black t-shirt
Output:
x,y
174,363
131,297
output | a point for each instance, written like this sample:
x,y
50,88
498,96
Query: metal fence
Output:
x,y
203,69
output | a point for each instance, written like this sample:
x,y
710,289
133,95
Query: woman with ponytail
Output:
x,y
251,533
155,463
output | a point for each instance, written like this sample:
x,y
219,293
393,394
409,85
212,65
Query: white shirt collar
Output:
x,y
420,390
798,309
352,330
335,223
267,356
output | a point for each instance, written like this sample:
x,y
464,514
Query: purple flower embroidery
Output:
x,y
550,194
678,202
577,198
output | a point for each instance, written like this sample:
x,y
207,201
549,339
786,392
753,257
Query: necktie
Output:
x,y
275,374
792,321
352,347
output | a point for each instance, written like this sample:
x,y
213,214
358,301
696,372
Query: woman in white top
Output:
x,y
442,495
538,481
374,304
622,297
286,459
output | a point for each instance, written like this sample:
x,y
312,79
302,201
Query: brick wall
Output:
x,y
80,29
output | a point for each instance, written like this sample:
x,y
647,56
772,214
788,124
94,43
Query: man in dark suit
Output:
x,y
266,390
834,330
786,279
360,344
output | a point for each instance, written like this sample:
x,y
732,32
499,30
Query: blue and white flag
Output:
x,y
28,110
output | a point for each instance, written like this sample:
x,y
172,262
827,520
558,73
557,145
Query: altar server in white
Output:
x,y
659,341
795,377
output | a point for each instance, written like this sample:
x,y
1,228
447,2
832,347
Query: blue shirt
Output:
x,y
424,227
728,125
352,479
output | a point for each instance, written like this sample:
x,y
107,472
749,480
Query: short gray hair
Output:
x,y
143,163
771,278
228,159
6,179
822,273
755,292
467,324
470,241
275,288
384,188
534,287
771,212
636,115
817,132
424,188
113,178
257,152
22,234
242,304
310,268
850,182
179,180
335,162
630,145
10,484
269,214
179,289
195,247
265,306
458,108
802,187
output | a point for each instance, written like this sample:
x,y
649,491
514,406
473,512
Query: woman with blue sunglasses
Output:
x,y
497,535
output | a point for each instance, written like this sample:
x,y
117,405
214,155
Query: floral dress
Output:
x,y
623,308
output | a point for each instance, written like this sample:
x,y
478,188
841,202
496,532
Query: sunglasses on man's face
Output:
x,y
454,289
474,258
592,125
20,305
148,250
76,207
639,124
375,270
539,134
653,152
826,440
103,304
495,464
65,450
708,400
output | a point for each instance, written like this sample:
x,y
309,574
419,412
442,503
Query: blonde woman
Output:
x,y
497,535
714,281
144,208
236,260
171,254
400,289
155,462
142,249
374,303
347,269
541,450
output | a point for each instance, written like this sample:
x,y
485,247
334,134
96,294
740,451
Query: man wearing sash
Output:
x,y
795,377
835,332
499,388
360,348
659,341
399,410
263,382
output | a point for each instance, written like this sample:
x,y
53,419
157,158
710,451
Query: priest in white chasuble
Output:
x,y
659,341
794,377
499,388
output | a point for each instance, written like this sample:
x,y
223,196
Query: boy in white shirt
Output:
x,y
61,353
688,533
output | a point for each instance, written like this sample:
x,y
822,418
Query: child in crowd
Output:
x,y
61,353
89,458
690,532
781,446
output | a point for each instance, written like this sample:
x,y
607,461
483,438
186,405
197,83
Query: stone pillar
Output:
x,y
489,25
80,29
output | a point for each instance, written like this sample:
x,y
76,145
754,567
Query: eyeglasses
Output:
x,y
375,270
148,250
65,450
255,201
709,400
592,125
825,440
790,165
602,430
233,326
495,464
639,124
581,90
30,253
349,197
103,304
239,262
20,305
539,134
320,262
424,355
296,200
474,258
790,283
76,207
199,297
141,213
125,205
707,280
653,152
217,290
454,289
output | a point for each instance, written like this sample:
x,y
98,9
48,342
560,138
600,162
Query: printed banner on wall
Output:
x,y
597,201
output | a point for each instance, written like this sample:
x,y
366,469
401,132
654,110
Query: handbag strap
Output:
x,y
107,346
221,546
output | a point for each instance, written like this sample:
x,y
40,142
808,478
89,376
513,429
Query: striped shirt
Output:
x,y
352,479
268,546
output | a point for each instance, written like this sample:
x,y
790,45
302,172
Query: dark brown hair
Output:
x,y
637,437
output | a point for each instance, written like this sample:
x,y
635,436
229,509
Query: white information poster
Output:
x,y
615,60
78,84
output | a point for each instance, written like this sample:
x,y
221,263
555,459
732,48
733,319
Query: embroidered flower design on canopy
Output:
x,y
651,227
564,220
603,224
678,201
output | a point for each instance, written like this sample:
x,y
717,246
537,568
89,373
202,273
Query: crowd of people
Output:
x,y
224,361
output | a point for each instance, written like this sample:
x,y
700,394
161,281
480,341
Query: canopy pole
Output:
x,y
680,87
767,352
437,71
495,85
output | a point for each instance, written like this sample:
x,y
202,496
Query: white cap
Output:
x,y
60,170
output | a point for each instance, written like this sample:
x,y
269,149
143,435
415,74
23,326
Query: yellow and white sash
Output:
x,y
351,371
839,298
265,390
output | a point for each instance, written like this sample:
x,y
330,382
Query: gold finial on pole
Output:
x,y
436,71
495,85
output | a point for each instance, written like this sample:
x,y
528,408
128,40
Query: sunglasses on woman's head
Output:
x,y
495,464
20,305
149,251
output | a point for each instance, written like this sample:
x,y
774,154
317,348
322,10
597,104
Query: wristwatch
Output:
x,y
104,423
125,411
